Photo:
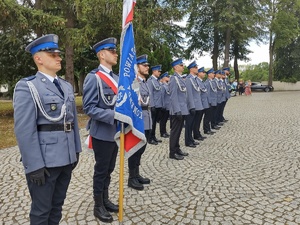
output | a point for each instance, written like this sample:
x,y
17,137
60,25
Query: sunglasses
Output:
x,y
111,50
53,54
145,64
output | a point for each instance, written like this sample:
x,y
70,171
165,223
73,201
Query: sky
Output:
x,y
260,54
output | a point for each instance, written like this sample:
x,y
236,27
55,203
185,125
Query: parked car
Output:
x,y
257,86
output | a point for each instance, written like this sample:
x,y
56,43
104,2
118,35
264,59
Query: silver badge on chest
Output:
x,y
53,107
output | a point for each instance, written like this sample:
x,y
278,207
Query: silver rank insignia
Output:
x,y
53,107
108,98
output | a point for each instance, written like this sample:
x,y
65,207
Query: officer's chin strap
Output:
x,y
36,98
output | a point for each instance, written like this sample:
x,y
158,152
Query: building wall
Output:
x,y
283,86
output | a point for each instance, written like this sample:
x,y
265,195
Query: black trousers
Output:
x,y
189,123
207,119
48,199
222,111
176,129
219,114
197,122
213,115
163,121
155,118
105,153
134,161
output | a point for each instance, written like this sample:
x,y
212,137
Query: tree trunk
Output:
x,y
81,80
38,6
227,46
76,86
69,47
271,53
236,68
215,54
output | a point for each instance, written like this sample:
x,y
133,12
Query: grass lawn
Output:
x,y
7,136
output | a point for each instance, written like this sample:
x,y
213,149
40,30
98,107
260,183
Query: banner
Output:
x,y
127,109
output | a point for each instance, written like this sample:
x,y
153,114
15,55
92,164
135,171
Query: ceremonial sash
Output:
x,y
106,78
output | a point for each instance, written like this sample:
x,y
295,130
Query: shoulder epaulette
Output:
x,y
61,78
30,78
95,70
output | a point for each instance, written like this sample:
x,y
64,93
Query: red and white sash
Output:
x,y
114,87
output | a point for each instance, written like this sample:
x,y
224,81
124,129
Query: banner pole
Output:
x,y
121,178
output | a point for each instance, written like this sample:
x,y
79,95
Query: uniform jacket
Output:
x,y
144,95
178,95
155,91
166,96
193,93
45,148
224,91
211,87
219,90
102,125
228,87
204,93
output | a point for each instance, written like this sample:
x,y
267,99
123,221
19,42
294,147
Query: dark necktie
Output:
x,y
55,81
111,73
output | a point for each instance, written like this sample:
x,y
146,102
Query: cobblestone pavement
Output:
x,y
246,173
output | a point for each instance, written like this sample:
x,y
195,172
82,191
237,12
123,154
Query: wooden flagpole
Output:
x,y
121,178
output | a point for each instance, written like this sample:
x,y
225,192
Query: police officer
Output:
x,y
220,99
226,74
164,79
194,104
204,99
155,101
47,131
211,87
135,180
98,103
178,109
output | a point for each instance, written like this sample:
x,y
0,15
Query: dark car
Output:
x,y
257,86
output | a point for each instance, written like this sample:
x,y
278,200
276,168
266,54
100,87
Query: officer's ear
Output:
x,y
37,58
101,55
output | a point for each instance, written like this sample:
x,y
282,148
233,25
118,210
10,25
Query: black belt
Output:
x,y
145,107
67,127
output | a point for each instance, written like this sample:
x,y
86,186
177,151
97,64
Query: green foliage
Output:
x,y
258,72
287,62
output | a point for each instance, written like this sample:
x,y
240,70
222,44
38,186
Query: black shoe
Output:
x,y
180,152
135,184
176,156
216,128
110,207
220,124
133,181
100,211
209,132
225,120
142,180
191,145
165,135
152,142
157,140
199,138
195,143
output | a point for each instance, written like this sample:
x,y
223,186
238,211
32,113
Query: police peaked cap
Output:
x,y
46,43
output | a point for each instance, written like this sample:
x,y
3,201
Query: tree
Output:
x,y
283,26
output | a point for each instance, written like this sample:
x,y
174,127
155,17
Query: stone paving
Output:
x,y
246,173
